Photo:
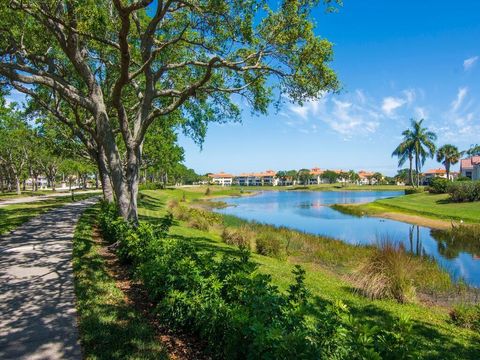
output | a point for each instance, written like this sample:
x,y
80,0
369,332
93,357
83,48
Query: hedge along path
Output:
x,y
38,319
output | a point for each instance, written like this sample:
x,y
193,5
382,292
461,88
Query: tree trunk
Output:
x,y
104,176
17,183
447,168
410,171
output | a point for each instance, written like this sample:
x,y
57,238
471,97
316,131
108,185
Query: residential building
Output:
x,y
428,175
266,178
470,167
316,174
366,178
221,178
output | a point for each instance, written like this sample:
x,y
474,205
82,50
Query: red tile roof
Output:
x,y
316,171
469,162
436,171
364,174
220,175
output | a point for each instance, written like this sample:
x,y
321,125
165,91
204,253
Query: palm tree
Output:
x,y
404,152
448,155
474,150
423,145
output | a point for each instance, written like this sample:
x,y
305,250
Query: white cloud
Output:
x,y
390,104
349,115
469,63
461,121
421,113
462,92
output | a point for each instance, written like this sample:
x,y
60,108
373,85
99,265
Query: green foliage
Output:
x,y
330,176
238,312
207,192
467,316
417,190
269,243
150,186
464,191
439,185
242,237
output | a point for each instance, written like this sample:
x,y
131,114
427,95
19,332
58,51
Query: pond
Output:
x,y
309,211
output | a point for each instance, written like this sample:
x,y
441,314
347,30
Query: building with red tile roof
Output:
x,y
470,167
221,178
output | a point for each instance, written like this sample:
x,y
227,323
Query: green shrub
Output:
x,y
207,192
467,316
439,186
414,190
241,237
387,274
269,243
464,191
198,222
150,186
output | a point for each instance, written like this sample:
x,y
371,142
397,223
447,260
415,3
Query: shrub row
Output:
x,y
463,191
237,311
414,190
439,186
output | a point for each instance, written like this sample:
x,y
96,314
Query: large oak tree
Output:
x,y
110,69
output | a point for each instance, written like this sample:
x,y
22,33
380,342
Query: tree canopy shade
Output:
x,y
115,67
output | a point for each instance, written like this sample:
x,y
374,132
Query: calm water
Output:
x,y
306,211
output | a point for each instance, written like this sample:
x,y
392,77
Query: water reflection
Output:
x,y
452,243
307,211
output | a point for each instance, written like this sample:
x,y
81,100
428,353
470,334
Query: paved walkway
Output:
x,y
30,199
37,299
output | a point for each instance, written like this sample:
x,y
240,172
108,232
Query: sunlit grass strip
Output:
x,y
110,328
12,216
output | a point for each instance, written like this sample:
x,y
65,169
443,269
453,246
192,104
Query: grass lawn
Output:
x,y
14,195
110,328
14,215
423,204
436,336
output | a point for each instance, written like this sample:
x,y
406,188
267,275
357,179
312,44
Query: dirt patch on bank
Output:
x,y
417,220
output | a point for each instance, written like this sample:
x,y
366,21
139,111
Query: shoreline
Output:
x,y
419,220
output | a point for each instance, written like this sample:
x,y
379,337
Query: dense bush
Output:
x,y
439,186
151,186
269,243
467,316
414,190
463,191
237,311
241,237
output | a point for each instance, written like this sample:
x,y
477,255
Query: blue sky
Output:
x,y
396,60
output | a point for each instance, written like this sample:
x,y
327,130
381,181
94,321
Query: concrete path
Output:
x,y
37,299
30,199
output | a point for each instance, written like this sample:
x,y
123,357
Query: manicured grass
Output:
x,y
110,328
423,204
14,195
436,336
12,216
